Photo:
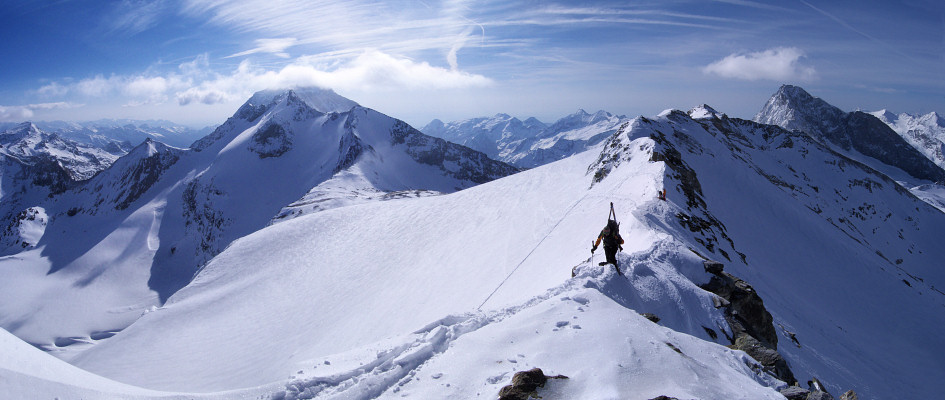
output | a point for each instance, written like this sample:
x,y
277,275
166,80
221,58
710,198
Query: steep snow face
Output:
x,y
858,135
124,241
531,143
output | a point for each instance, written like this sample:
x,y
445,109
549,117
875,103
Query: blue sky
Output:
x,y
196,61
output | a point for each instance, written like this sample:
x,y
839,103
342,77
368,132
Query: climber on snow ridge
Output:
x,y
610,235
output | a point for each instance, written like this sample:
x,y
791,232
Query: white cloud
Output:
x,y
24,113
53,89
778,64
15,113
196,83
54,106
98,86
370,70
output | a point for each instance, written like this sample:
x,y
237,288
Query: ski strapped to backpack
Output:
x,y
614,229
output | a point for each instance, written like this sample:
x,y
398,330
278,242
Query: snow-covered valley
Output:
x,y
363,272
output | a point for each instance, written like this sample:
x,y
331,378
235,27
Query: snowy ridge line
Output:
x,y
397,366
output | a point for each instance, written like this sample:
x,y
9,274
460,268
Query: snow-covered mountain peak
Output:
x,y
705,111
791,107
579,119
924,132
19,132
322,100
933,118
858,135
147,148
533,121
886,116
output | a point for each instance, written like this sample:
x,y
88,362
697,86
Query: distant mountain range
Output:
x,y
529,143
122,134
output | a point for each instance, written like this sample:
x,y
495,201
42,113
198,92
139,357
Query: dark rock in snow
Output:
x,y
795,393
271,141
651,317
752,324
818,395
849,395
747,308
713,267
525,384
769,358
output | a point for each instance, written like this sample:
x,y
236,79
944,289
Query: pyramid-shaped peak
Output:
x,y
791,106
795,92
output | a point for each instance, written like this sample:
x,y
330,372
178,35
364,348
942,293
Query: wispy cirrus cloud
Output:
x,y
276,47
340,25
778,64
135,16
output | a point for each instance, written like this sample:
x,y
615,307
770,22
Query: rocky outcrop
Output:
x,y
525,385
794,393
752,325
849,395
271,141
